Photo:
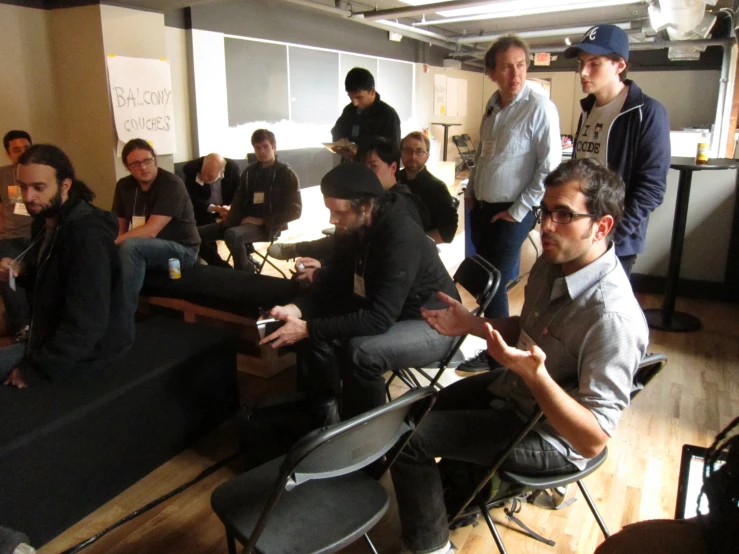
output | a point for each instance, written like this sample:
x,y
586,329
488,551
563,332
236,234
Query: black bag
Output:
x,y
270,429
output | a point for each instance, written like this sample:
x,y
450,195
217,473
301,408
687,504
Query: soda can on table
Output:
x,y
174,269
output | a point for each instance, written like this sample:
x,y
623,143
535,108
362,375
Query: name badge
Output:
x,y
488,148
20,209
359,285
137,221
259,198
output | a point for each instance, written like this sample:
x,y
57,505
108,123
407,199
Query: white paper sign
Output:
x,y
451,96
439,94
141,94
462,97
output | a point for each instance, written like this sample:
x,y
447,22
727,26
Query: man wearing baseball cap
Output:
x,y
363,312
624,129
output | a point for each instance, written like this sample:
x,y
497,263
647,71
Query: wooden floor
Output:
x,y
689,402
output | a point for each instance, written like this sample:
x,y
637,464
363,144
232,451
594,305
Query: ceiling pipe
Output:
x,y
551,32
392,13
438,40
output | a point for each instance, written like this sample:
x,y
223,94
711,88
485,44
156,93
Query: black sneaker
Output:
x,y
479,362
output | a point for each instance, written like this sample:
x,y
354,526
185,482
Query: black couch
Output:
x,y
68,447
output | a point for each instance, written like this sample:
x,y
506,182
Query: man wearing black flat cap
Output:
x,y
624,129
362,317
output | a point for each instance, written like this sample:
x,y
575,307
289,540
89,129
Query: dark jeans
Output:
x,y
236,238
360,363
15,301
627,262
462,426
500,244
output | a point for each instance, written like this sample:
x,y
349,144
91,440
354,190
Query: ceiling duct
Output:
x,y
684,20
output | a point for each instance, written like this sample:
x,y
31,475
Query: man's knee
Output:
x,y
131,249
231,237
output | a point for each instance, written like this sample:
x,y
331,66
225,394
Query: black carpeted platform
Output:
x,y
68,447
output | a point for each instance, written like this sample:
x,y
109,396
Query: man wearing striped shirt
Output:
x,y
519,145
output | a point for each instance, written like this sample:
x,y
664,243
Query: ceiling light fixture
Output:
x,y
515,8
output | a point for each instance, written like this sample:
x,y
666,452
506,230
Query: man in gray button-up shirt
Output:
x,y
580,324
519,145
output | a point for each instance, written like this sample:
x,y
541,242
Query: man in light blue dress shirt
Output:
x,y
519,145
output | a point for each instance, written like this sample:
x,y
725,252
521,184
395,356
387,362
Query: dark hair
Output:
x,y
359,78
385,150
260,135
417,135
721,487
48,154
503,44
15,134
135,144
616,58
604,190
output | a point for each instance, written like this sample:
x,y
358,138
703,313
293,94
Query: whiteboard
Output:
x,y
141,96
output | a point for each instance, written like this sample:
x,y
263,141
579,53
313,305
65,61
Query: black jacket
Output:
x,y
638,149
200,194
401,269
379,120
435,196
78,310
282,202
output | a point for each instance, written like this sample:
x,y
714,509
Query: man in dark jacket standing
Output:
x,y
74,270
367,116
364,310
266,200
211,182
624,129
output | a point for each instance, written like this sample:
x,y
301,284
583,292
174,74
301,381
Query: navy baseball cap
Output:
x,y
601,40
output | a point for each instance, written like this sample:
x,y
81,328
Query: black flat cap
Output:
x,y
351,180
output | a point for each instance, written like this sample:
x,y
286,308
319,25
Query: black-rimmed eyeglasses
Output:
x,y
143,163
558,216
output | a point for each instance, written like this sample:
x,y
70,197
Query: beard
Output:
x,y
53,208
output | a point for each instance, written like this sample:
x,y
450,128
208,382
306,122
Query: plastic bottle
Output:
x,y
701,157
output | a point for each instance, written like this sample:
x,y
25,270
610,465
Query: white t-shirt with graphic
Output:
x,y
592,140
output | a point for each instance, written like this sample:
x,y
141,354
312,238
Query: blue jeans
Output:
x,y
10,357
141,254
15,301
462,426
500,244
360,362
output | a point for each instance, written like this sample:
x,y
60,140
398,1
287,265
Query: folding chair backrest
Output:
x,y
468,141
649,367
356,443
459,142
480,278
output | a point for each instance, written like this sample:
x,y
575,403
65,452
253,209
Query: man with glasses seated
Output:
x,y
155,219
414,151
580,323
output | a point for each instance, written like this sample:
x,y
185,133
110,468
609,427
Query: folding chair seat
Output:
x,y
315,499
517,483
479,278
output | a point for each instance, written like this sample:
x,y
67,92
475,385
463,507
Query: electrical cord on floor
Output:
x,y
153,504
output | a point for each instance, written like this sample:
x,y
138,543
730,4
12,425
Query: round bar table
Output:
x,y
666,318
446,133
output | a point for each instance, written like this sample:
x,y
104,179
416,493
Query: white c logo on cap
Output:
x,y
591,36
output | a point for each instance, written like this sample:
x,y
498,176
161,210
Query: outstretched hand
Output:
x,y
454,321
527,364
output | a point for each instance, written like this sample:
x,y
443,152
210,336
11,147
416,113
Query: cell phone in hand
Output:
x,y
268,326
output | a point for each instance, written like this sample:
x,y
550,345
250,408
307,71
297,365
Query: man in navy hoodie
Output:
x,y
624,129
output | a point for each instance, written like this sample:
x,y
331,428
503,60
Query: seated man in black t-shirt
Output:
x,y
414,152
266,200
155,219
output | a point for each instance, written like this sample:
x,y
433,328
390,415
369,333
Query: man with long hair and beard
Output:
x,y
73,270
